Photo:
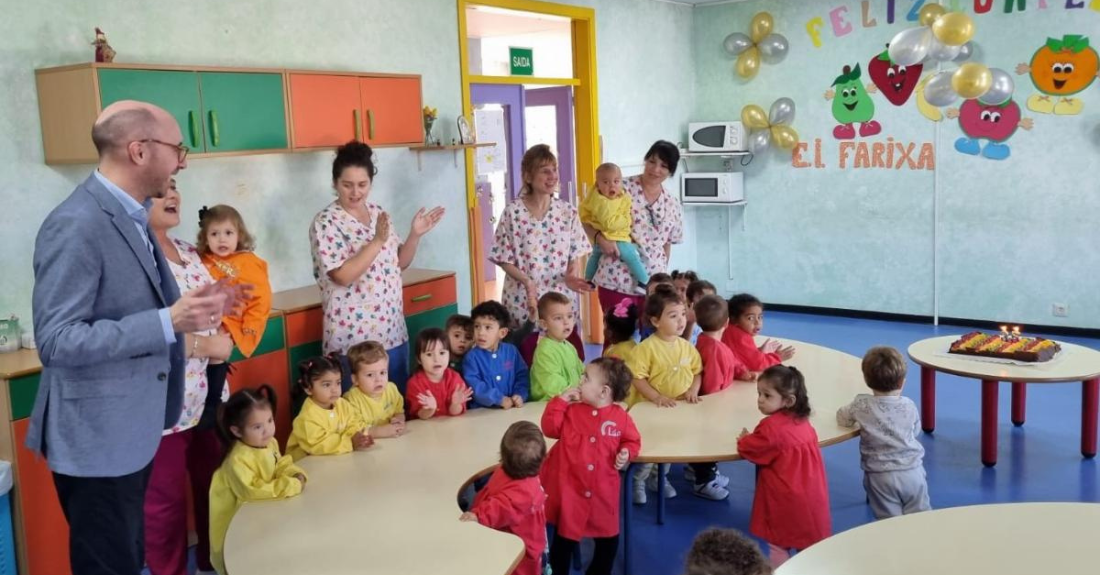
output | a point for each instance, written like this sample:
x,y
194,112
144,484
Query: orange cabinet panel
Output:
x,y
429,295
325,110
269,368
45,532
304,326
391,110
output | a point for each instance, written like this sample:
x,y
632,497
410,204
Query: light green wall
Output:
x,y
1013,237
279,194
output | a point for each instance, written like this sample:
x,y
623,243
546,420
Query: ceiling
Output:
x,y
487,22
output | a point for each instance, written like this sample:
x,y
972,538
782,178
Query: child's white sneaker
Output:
x,y
722,480
711,491
639,494
689,474
667,490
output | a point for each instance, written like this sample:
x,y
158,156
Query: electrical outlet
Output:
x,y
1059,309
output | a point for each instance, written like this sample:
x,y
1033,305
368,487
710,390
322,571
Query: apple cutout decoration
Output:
x,y
995,123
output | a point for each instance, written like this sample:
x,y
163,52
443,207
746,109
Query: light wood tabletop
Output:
x,y
390,509
1073,363
708,430
1005,539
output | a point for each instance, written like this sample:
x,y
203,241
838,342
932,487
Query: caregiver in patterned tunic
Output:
x,y
657,223
539,243
357,261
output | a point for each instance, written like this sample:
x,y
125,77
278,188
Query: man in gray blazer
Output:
x,y
109,320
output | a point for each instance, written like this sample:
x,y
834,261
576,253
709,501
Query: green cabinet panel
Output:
x,y
22,392
295,356
177,92
274,339
243,111
432,318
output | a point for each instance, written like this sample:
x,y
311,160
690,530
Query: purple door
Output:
x,y
497,189
555,105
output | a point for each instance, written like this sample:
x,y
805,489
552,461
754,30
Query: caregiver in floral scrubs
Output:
x,y
539,243
357,261
658,222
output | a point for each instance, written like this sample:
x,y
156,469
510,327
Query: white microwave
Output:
x,y
716,137
712,188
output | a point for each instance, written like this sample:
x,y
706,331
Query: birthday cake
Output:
x,y
1006,346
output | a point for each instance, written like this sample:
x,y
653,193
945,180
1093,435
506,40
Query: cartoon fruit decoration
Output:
x,y
993,122
895,82
1061,67
852,104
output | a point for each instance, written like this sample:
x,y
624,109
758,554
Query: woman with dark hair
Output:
x,y
657,224
357,261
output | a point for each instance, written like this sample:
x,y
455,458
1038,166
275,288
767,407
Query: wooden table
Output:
x,y
390,509
1005,539
1079,364
708,430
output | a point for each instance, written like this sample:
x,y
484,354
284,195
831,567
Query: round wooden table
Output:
x,y
1003,539
1079,364
708,430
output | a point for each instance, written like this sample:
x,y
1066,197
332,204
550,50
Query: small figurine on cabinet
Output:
x,y
103,50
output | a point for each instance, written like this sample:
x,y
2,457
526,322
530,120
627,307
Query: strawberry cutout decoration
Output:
x,y
895,82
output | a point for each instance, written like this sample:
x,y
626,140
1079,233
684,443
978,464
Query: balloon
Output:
x,y
1000,90
773,47
940,52
971,80
785,137
753,117
938,91
953,28
748,63
761,26
736,43
782,112
965,52
910,46
929,13
759,142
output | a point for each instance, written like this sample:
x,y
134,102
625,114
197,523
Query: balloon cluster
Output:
x,y
749,49
944,36
775,125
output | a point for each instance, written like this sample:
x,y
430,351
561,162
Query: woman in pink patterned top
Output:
x,y
357,261
658,222
190,448
539,243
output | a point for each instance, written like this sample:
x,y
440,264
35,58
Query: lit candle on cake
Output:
x,y
1016,332
1004,332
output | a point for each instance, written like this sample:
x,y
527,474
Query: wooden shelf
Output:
x,y
454,149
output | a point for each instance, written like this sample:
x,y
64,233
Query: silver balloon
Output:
x,y
760,141
773,47
938,90
940,52
965,52
782,112
736,43
910,46
1001,90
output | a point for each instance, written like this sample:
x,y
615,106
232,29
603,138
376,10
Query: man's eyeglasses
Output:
x,y
180,148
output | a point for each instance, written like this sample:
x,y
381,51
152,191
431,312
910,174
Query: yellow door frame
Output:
x,y
585,119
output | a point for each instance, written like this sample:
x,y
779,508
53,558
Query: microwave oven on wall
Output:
x,y
712,188
716,137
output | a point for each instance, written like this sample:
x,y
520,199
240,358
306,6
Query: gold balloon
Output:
x,y
748,63
754,117
786,138
929,13
761,26
972,80
953,28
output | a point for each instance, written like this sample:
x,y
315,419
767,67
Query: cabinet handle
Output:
x,y
193,125
370,125
358,126
421,298
215,137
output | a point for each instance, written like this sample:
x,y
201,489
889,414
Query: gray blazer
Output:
x,y
110,385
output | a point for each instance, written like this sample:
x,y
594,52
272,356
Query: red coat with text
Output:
x,y
516,506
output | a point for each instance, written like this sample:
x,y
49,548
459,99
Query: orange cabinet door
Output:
x,y
324,110
45,533
391,110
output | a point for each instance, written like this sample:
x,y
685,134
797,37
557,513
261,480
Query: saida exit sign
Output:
x,y
521,61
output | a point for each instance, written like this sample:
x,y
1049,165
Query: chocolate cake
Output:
x,y
1006,346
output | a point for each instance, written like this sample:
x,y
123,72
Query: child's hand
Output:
x,y
744,432
769,346
399,418
384,431
571,395
468,516
750,376
427,401
462,395
362,440
517,401
692,395
663,401
621,459
786,353
506,403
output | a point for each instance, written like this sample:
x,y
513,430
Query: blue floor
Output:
x,y
1040,461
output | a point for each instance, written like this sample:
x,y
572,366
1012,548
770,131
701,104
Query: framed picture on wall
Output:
x,y
465,133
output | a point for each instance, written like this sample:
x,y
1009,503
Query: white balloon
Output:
x,y
773,47
782,112
965,52
760,141
940,52
1001,90
910,46
938,90
736,43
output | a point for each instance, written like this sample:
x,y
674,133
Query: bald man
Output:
x,y
109,319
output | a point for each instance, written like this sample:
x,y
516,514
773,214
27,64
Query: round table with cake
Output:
x,y
1009,357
